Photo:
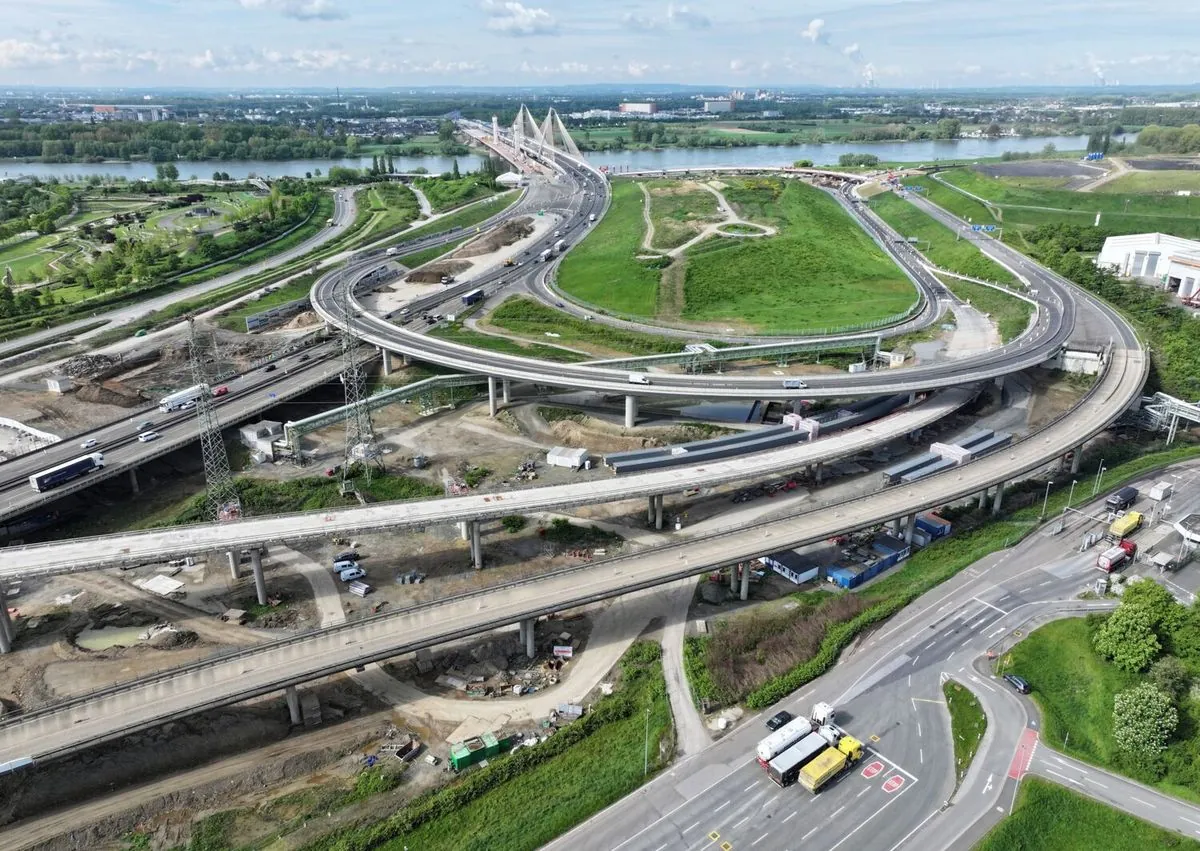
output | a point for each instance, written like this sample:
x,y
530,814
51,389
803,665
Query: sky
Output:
x,y
230,44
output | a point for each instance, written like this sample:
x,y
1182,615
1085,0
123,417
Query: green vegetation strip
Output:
x,y
967,724
447,193
525,316
521,801
678,212
925,570
457,333
603,269
820,272
1011,314
938,242
419,258
1048,817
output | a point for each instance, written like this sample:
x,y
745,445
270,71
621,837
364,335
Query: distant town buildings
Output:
x,y
723,105
638,108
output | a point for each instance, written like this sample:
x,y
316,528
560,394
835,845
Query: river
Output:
x,y
820,154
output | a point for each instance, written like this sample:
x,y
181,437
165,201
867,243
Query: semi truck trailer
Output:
x,y
1114,557
836,758
784,768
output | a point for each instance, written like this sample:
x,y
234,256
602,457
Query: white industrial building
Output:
x,y
638,108
565,456
1169,260
718,106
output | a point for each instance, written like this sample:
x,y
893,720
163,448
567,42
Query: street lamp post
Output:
x,y
1099,476
646,766
1071,497
1045,500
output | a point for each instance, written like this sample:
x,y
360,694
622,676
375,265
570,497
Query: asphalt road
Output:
x,y
344,212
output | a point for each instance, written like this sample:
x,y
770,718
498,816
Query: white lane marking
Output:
x,y
751,786
723,806
910,680
914,830
1189,821
1063,777
918,728
989,605
1047,582
1025,590
997,632
1144,803
834,814
740,823
921,755
760,839
915,658
1095,782
661,847
930,644
810,833
865,790
792,816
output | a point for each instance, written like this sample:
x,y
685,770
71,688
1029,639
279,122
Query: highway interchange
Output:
x,y
717,796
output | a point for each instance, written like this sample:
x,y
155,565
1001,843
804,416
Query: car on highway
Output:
x,y
302,358
147,436
1018,683
220,391
271,367
88,444
145,424
779,719
187,406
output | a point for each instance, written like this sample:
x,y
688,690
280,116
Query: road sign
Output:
x,y
989,228
872,769
893,783
976,228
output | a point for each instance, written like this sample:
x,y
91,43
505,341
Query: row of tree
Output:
x,y
1171,140
33,206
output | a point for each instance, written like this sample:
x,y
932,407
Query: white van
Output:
x,y
639,378
344,564
351,574
794,384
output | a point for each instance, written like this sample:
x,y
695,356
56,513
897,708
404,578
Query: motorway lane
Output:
x,y
345,211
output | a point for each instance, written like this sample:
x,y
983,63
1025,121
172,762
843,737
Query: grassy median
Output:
x,y
967,725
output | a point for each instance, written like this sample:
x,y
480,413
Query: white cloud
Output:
x,y
636,69
815,31
555,70
640,22
737,66
852,52
513,18
28,54
118,59
683,16
301,10
972,69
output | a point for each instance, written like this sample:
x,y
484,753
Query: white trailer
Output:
x,y
177,400
1161,491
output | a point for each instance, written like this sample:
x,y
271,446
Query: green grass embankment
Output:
x,y
820,271
679,212
447,193
603,270
967,725
1009,313
530,318
937,242
457,333
1048,817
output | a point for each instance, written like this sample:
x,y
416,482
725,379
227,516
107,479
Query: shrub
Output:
x,y
513,523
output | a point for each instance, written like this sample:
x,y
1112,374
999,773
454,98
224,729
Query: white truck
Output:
x,y
1161,491
175,401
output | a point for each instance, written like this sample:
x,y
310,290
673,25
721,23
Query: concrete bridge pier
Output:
x,y
1076,454
133,480
233,564
492,396
733,579
476,544
7,633
293,703
999,496
631,411
658,511
910,527
505,391
817,469
527,637
386,358
260,581
745,595
895,524
983,499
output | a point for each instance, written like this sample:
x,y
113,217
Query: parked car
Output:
x,y
147,436
348,555
88,444
145,424
352,574
344,564
1018,683
779,719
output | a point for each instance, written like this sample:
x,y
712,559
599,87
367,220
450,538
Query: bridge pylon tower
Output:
x,y
221,497
360,433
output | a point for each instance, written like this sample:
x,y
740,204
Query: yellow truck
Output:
x,y
830,763
1125,525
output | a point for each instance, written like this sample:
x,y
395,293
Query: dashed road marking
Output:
x,y
1095,782
751,786
930,644
792,816
810,833
834,814
1144,803
915,658
1063,777
740,823
865,790
723,806
686,829
989,605
760,839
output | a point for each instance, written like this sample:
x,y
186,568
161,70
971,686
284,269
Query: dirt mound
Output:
x,y
111,393
433,273
304,320
575,435
506,234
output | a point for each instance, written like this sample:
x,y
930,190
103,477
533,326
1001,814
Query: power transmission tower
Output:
x,y
222,498
360,435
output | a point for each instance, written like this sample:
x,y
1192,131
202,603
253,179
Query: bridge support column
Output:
x,y
999,496
7,633
910,527
505,387
658,511
476,545
293,702
386,357
233,564
983,499
631,411
527,628
896,526
491,396
745,595
912,398
733,578
260,581
133,481
817,473
650,510
405,361
1075,456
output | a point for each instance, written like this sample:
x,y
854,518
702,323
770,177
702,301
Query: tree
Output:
x,y
993,130
1128,639
1165,614
1049,150
166,171
454,170
446,130
803,164
1171,677
1144,719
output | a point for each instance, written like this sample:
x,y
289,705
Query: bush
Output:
x,y
513,523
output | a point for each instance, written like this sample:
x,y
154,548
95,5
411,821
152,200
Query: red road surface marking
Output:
x,y
893,783
872,769
1024,754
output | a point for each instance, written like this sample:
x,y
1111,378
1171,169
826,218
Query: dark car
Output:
x,y
779,719
1018,683
271,367
348,555
302,358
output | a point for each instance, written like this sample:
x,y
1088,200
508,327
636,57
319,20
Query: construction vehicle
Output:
x,y
1126,524
510,261
843,751
1122,499
1114,557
